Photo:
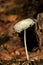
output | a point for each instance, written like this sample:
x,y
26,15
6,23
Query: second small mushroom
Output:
x,y
23,25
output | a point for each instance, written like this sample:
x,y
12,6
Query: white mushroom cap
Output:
x,y
24,24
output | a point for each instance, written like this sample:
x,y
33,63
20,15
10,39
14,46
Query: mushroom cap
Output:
x,y
24,24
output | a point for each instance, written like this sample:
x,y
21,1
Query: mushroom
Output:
x,y
23,25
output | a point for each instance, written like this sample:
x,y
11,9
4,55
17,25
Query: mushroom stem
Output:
x,y
27,56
